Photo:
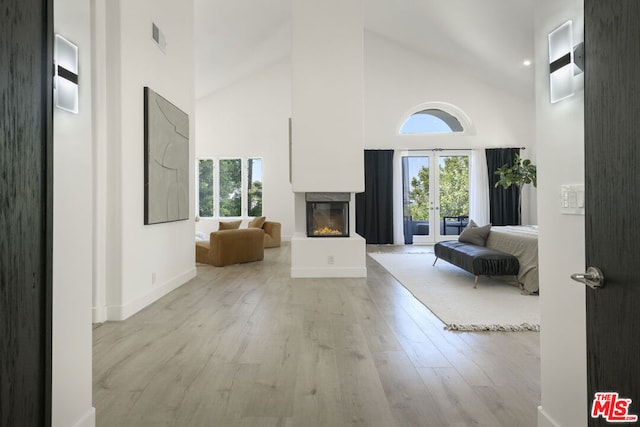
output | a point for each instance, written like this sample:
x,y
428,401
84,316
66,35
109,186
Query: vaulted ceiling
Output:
x,y
490,38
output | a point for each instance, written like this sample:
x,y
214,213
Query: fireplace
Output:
x,y
328,214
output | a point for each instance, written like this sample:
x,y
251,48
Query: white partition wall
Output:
x,y
71,367
327,96
561,244
327,150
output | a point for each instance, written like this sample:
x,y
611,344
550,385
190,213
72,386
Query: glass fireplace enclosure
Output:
x,y
328,214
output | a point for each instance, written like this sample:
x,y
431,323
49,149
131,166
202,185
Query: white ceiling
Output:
x,y
491,38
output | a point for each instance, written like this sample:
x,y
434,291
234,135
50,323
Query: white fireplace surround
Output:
x,y
314,257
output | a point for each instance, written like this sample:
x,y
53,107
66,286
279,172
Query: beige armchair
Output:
x,y
272,231
227,247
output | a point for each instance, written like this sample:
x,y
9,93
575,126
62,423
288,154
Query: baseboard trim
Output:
x,y
318,273
123,312
88,420
99,314
544,420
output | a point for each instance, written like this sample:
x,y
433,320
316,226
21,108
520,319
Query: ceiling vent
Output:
x,y
158,37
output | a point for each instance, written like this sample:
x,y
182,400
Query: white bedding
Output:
x,y
522,242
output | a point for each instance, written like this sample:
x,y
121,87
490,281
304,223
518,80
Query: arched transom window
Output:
x,y
431,120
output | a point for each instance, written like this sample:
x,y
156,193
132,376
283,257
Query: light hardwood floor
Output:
x,y
246,345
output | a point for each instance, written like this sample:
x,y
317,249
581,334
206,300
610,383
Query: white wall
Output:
x,y
141,262
397,79
560,135
251,119
72,229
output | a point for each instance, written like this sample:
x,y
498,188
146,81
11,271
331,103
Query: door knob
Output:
x,y
592,278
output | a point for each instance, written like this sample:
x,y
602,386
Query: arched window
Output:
x,y
435,117
431,120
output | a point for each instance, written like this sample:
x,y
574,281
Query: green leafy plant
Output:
x,y
520,173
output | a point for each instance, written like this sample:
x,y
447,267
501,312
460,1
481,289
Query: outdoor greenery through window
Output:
x,y
419,191
230,187
230,181
453,190
205,187
254,191
454,185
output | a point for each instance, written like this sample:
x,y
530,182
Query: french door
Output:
x,y
435,189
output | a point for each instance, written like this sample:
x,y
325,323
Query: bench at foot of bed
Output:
x,y
477,260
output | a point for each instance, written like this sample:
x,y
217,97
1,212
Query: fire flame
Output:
x,y
326,231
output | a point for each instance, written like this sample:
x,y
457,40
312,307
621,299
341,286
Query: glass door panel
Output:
x,y
453,193
417,198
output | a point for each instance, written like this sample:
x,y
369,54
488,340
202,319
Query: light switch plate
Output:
x,y
572,199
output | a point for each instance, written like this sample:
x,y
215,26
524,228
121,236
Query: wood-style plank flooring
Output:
x,y
246,345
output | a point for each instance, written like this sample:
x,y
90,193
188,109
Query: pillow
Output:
x,y
257,222
474,234
229,225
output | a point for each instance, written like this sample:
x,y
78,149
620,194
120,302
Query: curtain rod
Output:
x,y
457,149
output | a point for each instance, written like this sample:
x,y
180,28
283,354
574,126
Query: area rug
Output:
x,y
446,290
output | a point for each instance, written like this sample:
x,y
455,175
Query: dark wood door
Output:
x,y
25,212
612,153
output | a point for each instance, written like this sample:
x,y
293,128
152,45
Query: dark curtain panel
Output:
x,y
374,207
503,203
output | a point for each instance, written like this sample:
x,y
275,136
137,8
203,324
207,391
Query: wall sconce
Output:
x,y
565,61
65,82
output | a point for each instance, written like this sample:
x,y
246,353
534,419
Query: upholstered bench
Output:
x,y
477,260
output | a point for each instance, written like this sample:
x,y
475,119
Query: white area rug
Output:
x,y
448,292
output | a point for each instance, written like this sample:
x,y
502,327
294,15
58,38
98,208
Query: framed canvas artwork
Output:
x,y
166,160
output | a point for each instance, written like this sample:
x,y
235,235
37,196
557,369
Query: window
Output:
x,y
229,187
230,182
254,187
431,120
205,187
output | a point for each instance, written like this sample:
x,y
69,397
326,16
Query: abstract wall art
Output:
x,y
166,160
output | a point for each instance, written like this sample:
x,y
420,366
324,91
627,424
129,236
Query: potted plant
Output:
x,y
520,173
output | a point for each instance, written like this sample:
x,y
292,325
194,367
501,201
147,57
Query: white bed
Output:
x,y
522,242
